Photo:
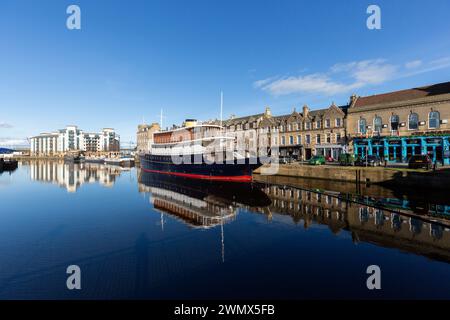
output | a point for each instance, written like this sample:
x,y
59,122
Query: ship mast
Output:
x,y
221,107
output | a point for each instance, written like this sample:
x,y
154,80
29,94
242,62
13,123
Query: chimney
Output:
x,y
353,99
305,111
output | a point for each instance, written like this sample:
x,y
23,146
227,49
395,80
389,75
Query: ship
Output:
x,y
198,151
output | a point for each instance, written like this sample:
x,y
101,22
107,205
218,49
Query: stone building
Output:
x,y
400,124
296,135
145,136
316,132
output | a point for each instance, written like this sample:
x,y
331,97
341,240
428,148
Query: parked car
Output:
x,y
286,160
347,159
317,160
420,161
329,159
372,161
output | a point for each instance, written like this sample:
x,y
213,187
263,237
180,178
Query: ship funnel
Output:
x,y
190,123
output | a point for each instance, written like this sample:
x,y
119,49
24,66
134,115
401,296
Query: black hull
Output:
x,y
239,171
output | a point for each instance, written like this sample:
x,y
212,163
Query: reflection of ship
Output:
x,y
201,203
198,152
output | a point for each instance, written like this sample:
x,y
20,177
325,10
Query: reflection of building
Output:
x,y
73,139
399,124
382,227
145,136
72,176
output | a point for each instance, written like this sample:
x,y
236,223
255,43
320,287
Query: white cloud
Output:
x,y
413,64
12,142
4,125
361,73
342,78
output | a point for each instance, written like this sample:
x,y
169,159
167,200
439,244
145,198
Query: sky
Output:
x,y
130,59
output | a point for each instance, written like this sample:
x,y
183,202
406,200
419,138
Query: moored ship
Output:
x,y
198,151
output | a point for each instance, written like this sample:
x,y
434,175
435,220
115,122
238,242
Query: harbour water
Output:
x,y
137,235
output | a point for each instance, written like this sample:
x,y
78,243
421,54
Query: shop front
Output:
x,y
400,149
329,150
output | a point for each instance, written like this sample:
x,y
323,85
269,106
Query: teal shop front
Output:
x,y
400,149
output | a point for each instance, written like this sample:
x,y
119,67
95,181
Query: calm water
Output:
x,y
143,236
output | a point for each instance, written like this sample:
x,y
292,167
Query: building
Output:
x,y
316,132
145,136
400,124
297,135
73,139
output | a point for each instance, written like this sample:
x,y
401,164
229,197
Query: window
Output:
x,y
289,127
328,137
318,124
362,125
395,121
299,139
307,125
338,137
377,124
283,140
308,139
413,121
291,139
338,122
433,120
327,123
318,139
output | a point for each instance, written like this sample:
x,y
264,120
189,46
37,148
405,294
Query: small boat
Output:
x,y
123,162
8,164
74,158
95,159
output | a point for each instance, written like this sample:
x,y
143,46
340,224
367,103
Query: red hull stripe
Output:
x,y
204,177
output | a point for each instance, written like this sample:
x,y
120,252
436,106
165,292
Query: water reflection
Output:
x,y
371,214
200,203
383,227
72,176
154,236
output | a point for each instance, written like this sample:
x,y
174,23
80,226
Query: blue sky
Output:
x,y
132,58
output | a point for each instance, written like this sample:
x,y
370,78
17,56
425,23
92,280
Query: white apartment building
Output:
x,y
73,139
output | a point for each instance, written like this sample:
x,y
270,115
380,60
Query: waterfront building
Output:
x,y
297,135
400,124
145,136
312,132
74,139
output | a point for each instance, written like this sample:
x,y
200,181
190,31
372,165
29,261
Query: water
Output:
x,y
137,235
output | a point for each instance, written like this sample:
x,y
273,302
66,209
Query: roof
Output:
x,y
404,95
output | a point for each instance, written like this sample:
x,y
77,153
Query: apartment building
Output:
x,y
74,139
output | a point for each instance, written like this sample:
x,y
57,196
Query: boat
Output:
x,y
8,164
123,161
95,159
197,151
74,158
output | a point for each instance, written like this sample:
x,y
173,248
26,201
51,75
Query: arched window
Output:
x,y
433,120
395,121
362,125
413,121
377,124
